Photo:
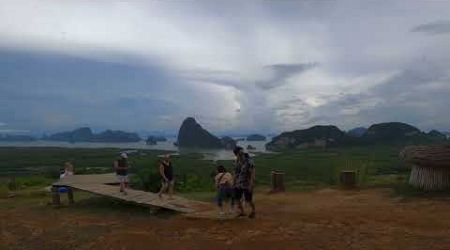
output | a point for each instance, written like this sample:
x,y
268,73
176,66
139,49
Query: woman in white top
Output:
x,y
68,170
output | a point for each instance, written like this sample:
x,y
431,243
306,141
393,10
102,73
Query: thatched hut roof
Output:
x,y
427,156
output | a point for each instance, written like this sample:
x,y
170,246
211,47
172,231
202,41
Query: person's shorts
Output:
x,y
225,194
63,190
247,193
122,178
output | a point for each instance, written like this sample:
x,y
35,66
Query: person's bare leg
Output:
x,y
220,203
253,212
221,212
121,186
240,208
161,190
125,186
163,187
171,190
230,211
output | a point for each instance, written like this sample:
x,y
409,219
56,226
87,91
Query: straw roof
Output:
x,y
427,156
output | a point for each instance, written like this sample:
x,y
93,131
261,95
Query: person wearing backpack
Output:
x,y
121,167
225,191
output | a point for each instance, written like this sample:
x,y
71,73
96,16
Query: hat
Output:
x,y
124,155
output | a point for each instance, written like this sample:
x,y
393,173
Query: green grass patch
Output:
x,y
376,166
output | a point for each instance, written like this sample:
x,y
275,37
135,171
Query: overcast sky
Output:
x,y
236,66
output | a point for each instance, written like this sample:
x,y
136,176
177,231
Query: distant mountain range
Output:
x,y
329,136
191,134
86,135
15,138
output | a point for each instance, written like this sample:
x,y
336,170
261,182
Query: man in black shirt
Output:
x,y
166,172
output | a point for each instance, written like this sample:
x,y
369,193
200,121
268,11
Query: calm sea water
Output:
x,y
214,154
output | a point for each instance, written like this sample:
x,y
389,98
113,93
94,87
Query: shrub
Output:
x,y
32,181
146,179
193,183
51,172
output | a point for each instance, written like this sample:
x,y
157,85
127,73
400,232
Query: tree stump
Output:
x,y
56,198
348,178
277,181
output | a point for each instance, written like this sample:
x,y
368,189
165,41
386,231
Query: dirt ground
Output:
x,y
324,219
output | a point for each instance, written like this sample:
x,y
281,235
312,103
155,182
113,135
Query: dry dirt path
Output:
x,y
324,219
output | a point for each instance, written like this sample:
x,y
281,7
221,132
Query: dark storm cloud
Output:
x,y
434,28
51,91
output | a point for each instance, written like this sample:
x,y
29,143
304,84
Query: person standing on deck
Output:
x,y
68,170
225,191
244,175
121,166
166,172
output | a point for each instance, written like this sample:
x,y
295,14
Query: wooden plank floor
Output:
x,y
101,185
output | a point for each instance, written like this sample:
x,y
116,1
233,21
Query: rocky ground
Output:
x,y
324,219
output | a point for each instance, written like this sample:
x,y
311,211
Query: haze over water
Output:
x,y
210,154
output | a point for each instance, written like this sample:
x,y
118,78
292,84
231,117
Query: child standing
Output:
x,y
225,192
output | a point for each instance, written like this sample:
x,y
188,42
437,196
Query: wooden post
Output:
x,y
277,181
56,197
70,195
348,178
12,185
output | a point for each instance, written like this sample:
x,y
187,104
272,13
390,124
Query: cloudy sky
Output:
x,y
236,66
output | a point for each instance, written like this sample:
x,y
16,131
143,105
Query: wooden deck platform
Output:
x,y
103,184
